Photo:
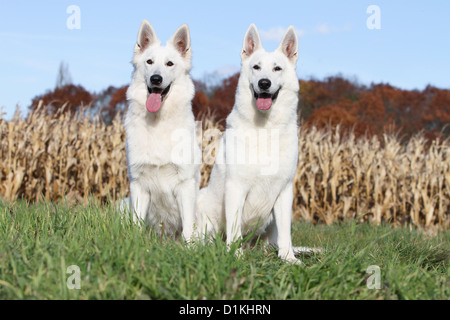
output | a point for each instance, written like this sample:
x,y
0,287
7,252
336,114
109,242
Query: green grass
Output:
x,y
121,261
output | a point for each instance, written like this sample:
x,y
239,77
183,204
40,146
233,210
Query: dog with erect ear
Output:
x,y
163,156
251,184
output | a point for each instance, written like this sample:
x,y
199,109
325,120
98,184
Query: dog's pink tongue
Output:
x,y
264,103
153,102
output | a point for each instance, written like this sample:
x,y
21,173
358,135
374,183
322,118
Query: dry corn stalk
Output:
x,y
338,177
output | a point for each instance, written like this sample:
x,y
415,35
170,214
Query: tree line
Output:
x,y
367,110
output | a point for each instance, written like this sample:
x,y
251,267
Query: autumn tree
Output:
x,y
111,102
375,109
367,110
223,97
200,102
68,98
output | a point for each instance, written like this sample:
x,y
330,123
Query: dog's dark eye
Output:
x,y
149,61
277,69
256,67
169,64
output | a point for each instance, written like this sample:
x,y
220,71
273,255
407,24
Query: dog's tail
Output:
x,y
298,250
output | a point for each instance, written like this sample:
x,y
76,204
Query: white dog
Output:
x,y
251,184
162,153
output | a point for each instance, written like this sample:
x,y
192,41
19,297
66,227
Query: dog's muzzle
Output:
x,y
155,98
158,90
264,100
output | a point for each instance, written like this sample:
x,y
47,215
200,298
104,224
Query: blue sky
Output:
x,y
411,50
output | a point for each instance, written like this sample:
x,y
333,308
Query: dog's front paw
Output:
x,y
293,260
288,256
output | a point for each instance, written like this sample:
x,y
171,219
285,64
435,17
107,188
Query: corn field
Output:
x,y
338,178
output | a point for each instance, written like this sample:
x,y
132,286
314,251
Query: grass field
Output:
x,y
38,242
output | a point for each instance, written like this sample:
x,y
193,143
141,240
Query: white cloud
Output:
x,y
273,34
323,29
277,33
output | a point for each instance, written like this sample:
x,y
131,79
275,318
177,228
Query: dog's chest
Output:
x,y
160,182
277,157
159,179
264,153
148,145
160,145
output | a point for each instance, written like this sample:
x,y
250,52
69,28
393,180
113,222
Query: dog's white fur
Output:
x,y
163,185
241,194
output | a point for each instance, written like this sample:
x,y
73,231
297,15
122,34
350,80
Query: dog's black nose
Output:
x,y
264,84
156,79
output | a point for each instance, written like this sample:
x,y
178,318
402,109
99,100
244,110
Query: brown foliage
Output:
x,y
70,96
375,109
117,103
223,98
200,104
119,97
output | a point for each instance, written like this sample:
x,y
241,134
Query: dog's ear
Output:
x,y
146,37
289,45
252,42
181,40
